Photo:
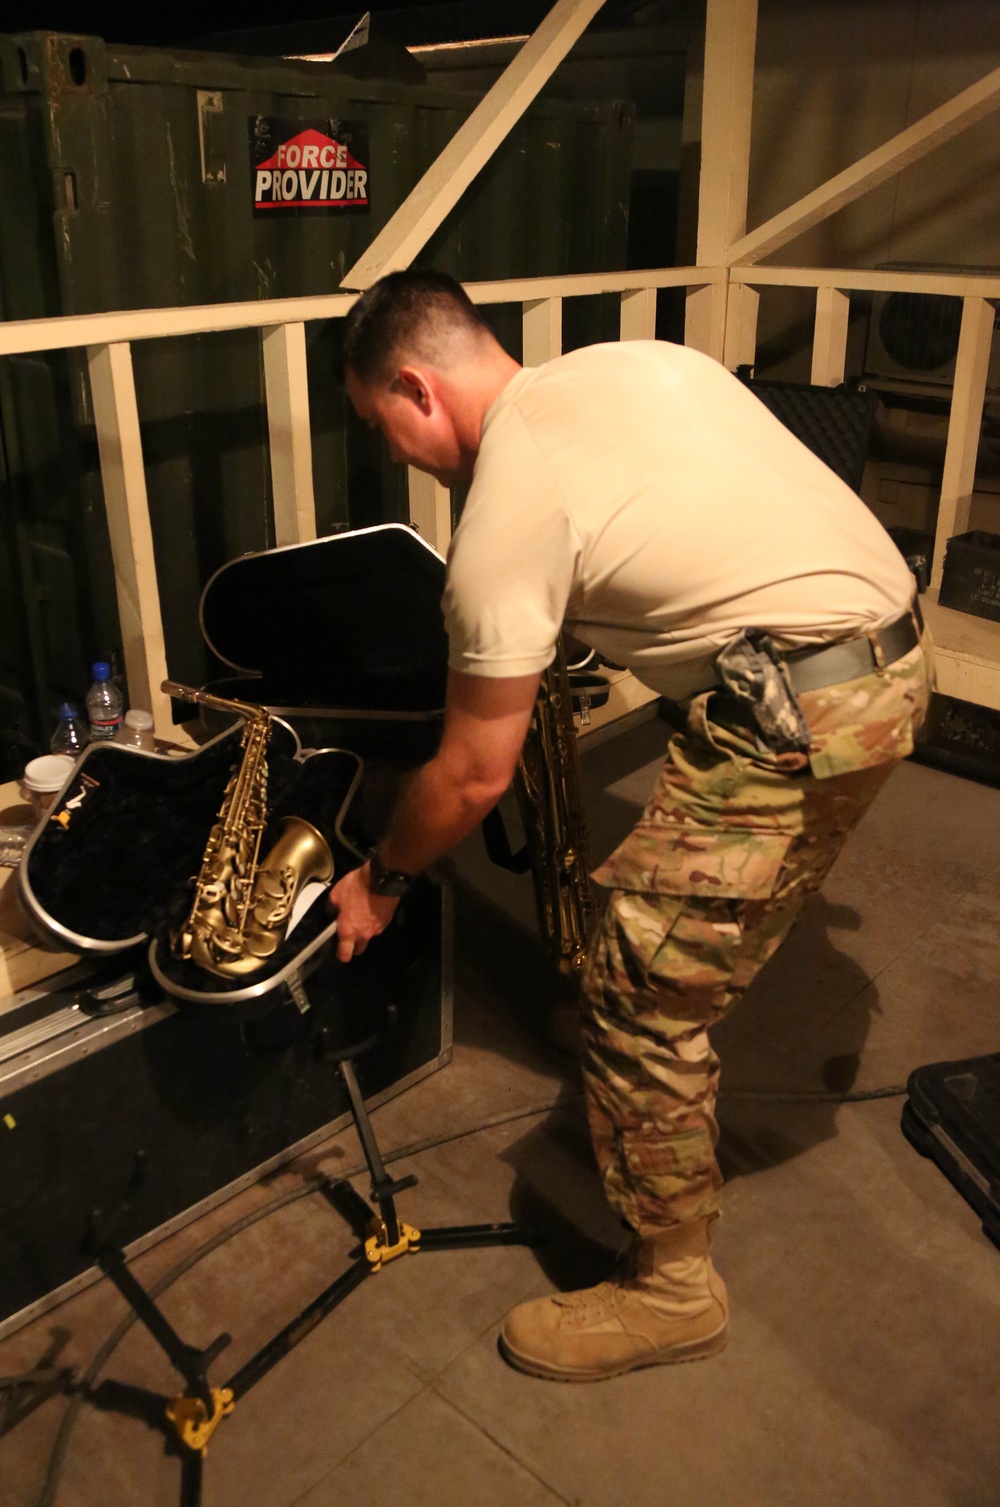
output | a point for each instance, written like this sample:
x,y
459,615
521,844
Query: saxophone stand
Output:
x,y
191,1417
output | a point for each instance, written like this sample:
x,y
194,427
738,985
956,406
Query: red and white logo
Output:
x,y
311,170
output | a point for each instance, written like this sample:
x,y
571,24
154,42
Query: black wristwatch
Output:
x,y
383,881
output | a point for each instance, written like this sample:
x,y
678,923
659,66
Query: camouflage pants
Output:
x,y
703,892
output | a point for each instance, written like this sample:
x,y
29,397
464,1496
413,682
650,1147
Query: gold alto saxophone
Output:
x,y
548,789
241,904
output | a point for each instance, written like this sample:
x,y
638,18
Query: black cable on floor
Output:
x,y
413,1148
815,1096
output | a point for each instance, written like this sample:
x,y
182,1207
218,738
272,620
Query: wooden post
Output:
x,y
727,100
541,330
741,326
287,383
430,508
638,316
705,318
966,419
116,418
830,337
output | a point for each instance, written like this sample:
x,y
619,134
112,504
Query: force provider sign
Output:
x,y
303,169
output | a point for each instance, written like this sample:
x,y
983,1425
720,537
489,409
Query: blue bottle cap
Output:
x,y
67,709
101,671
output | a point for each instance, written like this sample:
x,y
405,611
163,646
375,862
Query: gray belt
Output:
x,y
809,669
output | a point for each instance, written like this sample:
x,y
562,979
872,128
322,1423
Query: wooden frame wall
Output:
x,y
722,296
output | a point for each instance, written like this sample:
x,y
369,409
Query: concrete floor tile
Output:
x,y
954,967
936,816
898,1033
636,787
861,1366
749,1426
882,899
433,1456
803,986
852,1273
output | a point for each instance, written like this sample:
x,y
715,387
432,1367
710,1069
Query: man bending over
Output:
x,y
640,495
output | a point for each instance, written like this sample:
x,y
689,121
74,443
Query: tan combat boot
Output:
x,y
673,1309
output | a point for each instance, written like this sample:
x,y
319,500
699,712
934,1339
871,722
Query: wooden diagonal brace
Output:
x,y
473,144
908,146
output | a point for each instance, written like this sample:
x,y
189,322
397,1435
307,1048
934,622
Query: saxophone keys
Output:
x,y
226,943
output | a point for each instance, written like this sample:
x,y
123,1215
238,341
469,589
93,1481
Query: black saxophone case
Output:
x,y
952,1115
339,638
111,868
343,638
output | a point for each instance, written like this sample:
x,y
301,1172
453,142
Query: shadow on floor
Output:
x,y
804,988
806,985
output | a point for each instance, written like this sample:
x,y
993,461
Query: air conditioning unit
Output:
x,y
913,337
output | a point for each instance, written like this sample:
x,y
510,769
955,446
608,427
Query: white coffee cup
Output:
x,y
43,779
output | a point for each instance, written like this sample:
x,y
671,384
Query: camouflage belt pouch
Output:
x,y
752,671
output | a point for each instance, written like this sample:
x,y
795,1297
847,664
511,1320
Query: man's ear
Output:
x,y
413,383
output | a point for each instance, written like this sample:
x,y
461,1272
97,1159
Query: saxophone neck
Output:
x,y
246,709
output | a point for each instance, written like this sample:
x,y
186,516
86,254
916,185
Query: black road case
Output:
x,y
345,635
952,1115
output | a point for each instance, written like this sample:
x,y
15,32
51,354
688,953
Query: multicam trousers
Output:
x,y
703,892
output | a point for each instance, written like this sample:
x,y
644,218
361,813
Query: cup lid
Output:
x,y
47,773
138,718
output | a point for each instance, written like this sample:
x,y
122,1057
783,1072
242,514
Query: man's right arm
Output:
x,y
486,720
440,803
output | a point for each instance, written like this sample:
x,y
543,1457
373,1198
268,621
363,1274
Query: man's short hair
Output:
x,y
425,315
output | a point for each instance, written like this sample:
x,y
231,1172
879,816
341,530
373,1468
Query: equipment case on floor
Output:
x,y
345,635
952,1115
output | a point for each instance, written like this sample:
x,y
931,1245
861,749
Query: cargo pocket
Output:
x,y
677,915
661,859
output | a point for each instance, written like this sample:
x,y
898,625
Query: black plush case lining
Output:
x,y
121,868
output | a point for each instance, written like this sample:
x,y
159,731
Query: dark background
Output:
x,y
187,23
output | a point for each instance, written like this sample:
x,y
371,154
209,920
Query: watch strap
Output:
x,y
383,881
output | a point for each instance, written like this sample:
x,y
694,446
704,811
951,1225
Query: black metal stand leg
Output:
x,y
384,1188
197,1411
192,1363
192,1463
453,1237
258,1365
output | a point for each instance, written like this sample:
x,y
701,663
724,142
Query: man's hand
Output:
x,y
485,720
360,914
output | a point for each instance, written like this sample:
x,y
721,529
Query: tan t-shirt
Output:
x,y
642,495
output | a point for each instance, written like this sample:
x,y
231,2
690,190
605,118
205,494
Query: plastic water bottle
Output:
x,y
137,731
104,704
71,734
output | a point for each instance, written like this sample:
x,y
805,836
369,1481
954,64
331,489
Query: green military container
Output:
x,y
137,178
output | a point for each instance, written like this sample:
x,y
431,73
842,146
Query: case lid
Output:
x,y
353,620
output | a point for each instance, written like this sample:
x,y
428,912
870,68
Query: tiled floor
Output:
x,y
863,1364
